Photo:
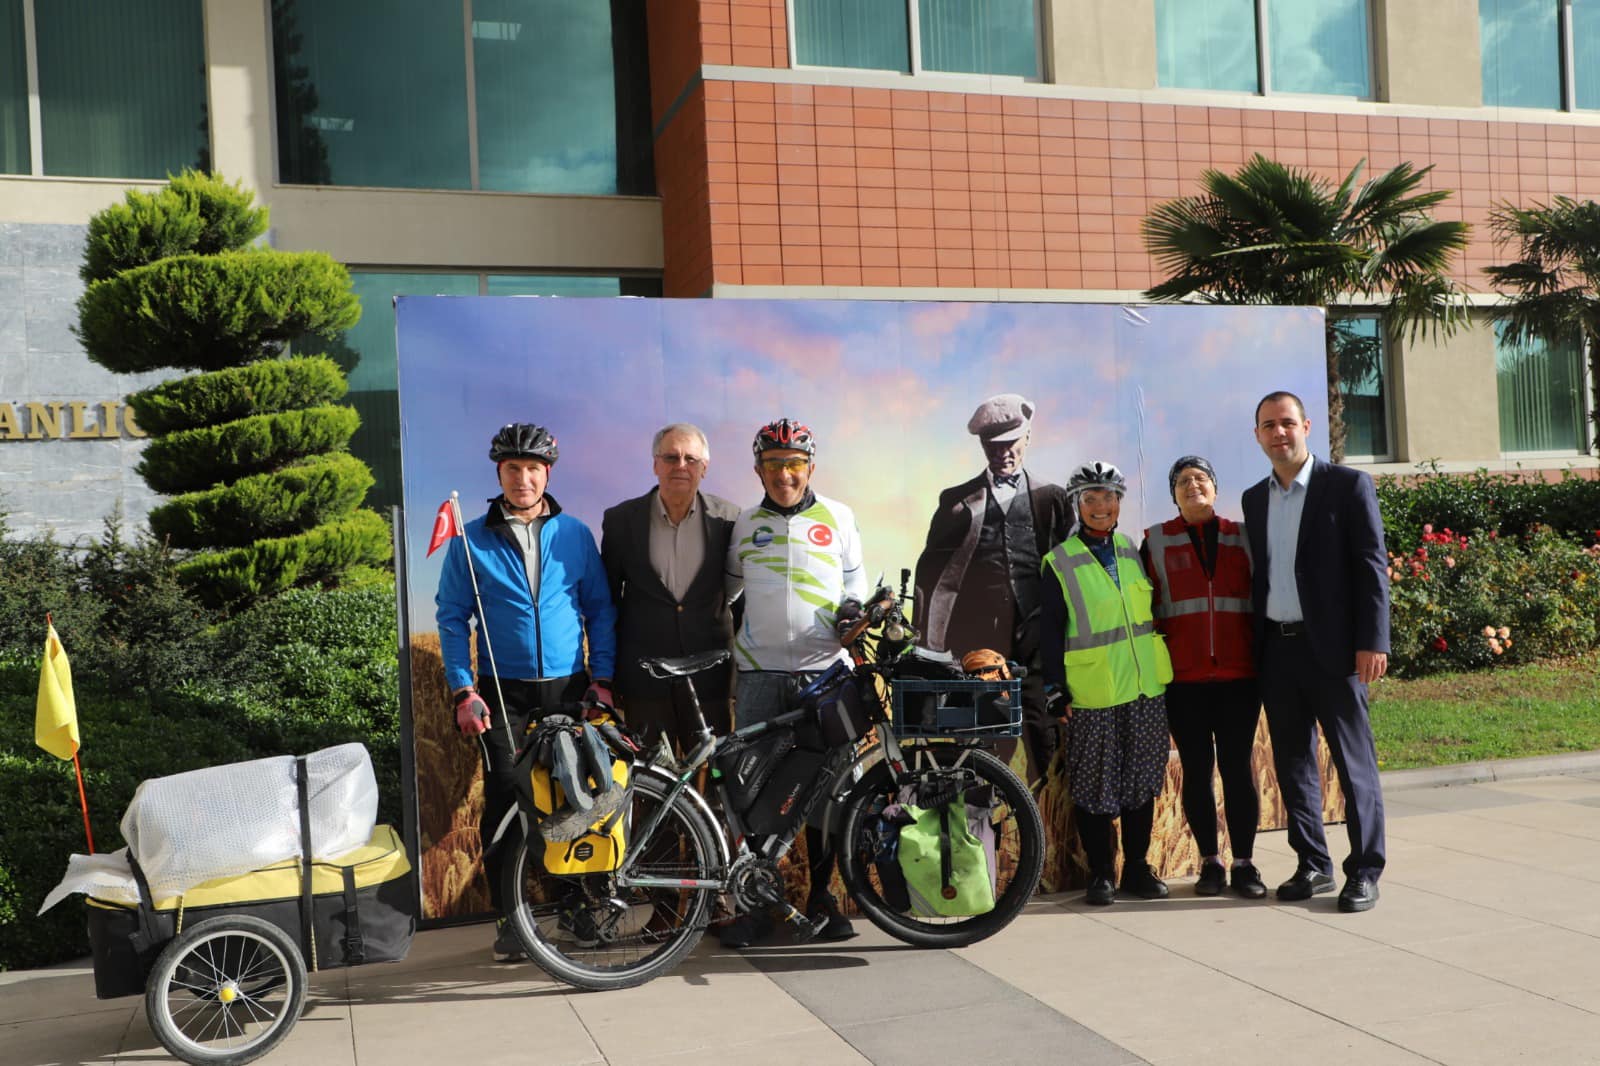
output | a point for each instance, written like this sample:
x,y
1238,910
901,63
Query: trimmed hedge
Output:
x,y
320,489
207,312
193,459
194,212
305,671
238,392
1508,504
271,566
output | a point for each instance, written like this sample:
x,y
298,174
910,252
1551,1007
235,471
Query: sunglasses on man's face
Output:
x,y
792,463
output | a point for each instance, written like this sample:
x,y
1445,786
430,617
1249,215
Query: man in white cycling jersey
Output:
x,y
796,556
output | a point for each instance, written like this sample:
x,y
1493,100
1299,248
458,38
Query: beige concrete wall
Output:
x,y
1427,52
1106,43
1445,400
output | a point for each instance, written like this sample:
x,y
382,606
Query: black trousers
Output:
x,y
1213,724
1299,698
666,709
525,703
1094,831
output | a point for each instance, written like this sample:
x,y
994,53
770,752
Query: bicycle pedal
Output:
x,y
804,931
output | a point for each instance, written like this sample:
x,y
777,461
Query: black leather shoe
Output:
x,y
1358,894
1102,892
1305,883
1246,882
829,924
1141,881
1212,878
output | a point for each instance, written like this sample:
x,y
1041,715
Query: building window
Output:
x,y
1520,42
1540,53
1364,380
913,36
367,350
1541,391
1265,46
535,96
96,90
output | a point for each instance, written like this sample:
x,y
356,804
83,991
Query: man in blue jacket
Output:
x,y
541,591
1321,595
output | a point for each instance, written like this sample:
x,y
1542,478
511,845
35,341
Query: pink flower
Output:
x,y
1427,528
1504,633
1450,561
1488,631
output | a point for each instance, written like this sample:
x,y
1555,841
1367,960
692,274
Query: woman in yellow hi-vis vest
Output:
x,y
1105,668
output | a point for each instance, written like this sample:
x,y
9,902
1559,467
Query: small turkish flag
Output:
x,y
444,527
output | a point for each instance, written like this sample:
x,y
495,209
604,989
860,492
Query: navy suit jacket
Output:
x,y
1341,566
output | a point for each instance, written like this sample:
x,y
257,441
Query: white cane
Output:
x,y
483,622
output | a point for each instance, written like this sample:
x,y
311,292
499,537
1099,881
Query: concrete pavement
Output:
x,y
1485,948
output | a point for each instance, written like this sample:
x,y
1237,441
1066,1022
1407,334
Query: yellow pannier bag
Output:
x,y
599,846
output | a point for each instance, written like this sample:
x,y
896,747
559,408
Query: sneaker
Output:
x,y
576,926
830,925
1141,881
1102,891
1212,879
507,948
745,931
1246,881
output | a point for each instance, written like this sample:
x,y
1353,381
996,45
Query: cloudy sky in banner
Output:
x,y
887,387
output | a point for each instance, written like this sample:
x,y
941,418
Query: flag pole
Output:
x,y
488,645
83,801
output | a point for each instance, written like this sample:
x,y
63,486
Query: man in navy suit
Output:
x,y
1321,598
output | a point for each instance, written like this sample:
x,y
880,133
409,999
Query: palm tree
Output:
x,y
1273,234
1553,290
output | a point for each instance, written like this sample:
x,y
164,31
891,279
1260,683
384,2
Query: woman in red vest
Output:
x,y
1200,566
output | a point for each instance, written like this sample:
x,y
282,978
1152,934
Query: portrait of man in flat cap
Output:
x,y
977,579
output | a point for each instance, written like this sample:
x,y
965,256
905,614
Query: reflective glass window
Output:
x,y
14,157
1206,44
1586,53
870,34
547,100
371,92
1541,392
1364,382
1319,46
122,87
979,36
1520,42
549,285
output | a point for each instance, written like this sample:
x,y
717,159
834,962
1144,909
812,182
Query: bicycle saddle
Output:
x,y
685,665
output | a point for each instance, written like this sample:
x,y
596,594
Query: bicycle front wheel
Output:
x,y
592,934
1018,853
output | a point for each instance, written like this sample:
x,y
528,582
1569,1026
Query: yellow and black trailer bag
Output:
x,y
363,909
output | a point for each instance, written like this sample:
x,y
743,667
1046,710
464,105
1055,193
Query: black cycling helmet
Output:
x,y
1096,475
784,433
523,440
1189,462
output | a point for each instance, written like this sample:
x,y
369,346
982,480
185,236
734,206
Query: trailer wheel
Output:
x,y
226,991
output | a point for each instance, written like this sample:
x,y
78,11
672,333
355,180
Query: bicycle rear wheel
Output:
x,y
591,934
1019,853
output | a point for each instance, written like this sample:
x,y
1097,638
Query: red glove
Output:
x,y
472,714
599,692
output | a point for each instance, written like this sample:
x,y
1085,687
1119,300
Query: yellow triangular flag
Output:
x,y
55,723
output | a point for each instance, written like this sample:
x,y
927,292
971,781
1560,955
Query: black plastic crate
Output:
x,y
957,709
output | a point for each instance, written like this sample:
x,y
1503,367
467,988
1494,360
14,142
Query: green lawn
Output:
x,y
1539,709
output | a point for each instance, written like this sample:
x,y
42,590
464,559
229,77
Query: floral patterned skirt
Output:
x,y
1117,756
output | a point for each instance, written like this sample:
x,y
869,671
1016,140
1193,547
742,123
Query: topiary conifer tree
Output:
x,y
252,449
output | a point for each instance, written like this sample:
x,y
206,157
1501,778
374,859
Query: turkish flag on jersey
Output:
x,y
444,527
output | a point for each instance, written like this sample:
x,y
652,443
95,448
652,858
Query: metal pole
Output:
x,y
477,599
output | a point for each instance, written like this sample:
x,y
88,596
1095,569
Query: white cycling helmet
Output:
x,y
1096,475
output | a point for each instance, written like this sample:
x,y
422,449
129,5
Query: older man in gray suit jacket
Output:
x,y
663,555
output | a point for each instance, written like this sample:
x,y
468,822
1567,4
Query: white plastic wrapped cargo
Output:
x,y
226,820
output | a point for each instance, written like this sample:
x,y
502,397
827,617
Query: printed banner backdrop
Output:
x,y
887,388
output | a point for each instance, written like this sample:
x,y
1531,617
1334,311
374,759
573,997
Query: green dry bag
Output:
x,y
946,870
